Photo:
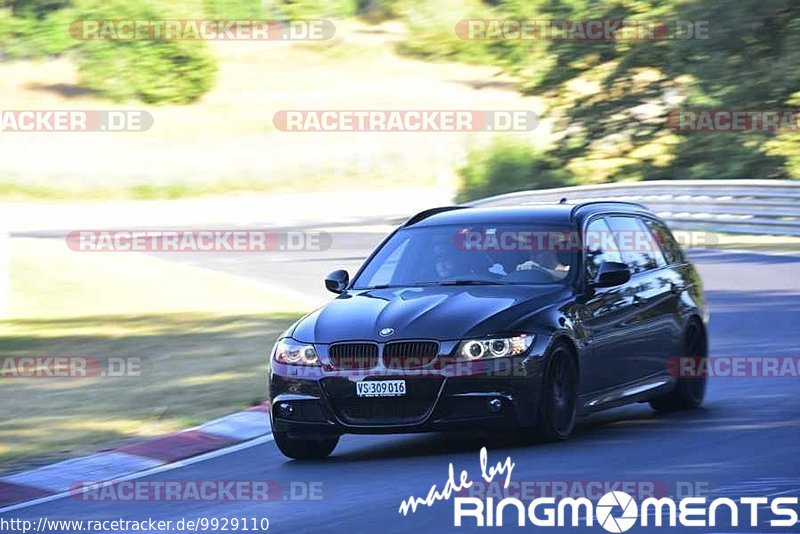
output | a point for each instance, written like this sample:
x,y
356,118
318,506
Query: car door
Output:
x,y
605,316
651,325
673,288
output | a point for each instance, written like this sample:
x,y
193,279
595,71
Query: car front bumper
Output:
x,y
490,394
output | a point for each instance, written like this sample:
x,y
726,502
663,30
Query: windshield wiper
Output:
x,y
464,283
439,283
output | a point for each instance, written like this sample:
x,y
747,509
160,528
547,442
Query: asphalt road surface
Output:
x,y
745,441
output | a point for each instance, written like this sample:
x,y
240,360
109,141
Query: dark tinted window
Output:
x,y
600,246
669,245
504,254
637,245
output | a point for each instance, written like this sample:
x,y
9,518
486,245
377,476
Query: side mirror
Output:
x,y
611,274
337,281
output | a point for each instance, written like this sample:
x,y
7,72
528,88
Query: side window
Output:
x,y
638,247
669,245
599,245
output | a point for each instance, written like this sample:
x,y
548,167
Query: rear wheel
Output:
x,y
304,449
558,407
690,390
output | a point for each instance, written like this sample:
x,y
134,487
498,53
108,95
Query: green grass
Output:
x,y
204,339
195,367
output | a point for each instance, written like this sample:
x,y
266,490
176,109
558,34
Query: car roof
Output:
x,y
556,214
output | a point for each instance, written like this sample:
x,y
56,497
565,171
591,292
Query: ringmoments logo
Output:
x,y
615,511
605,509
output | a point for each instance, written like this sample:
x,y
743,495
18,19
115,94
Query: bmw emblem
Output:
x,y
386,332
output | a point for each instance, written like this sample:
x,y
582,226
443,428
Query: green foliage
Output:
x,y
36,8
508,166
233,9
378,10
612,98
307,9
748,61
432,29
158,72
787,144
151,71
32,37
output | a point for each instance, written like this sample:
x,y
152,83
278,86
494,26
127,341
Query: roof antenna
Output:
x,y
563,200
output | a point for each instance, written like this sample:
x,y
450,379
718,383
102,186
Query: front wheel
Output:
x,y
304,449
558,407
690,391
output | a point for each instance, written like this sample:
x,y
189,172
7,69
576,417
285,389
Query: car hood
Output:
x,y
439,313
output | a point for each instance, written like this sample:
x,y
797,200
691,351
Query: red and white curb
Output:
x,y
205,441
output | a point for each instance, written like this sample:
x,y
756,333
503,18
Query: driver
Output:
x,y
444,262
445,266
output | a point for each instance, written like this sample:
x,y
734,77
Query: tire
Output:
x,y
689,392
558,406
304,449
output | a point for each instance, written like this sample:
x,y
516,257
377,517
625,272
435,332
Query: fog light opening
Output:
x,y
285,409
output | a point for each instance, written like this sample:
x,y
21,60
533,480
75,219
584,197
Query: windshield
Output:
x,y
474,255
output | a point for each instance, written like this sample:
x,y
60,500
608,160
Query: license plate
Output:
x,y
381,388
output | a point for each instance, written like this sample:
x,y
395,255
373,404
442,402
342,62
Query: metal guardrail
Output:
x,y
768,207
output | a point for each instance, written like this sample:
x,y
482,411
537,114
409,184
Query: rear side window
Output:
x,y
669,245
600,246
639,249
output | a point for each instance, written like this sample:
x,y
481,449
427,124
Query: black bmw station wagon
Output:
x,y
515,318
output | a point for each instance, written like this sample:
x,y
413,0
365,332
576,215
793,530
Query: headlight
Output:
x,y
287,350
500,347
